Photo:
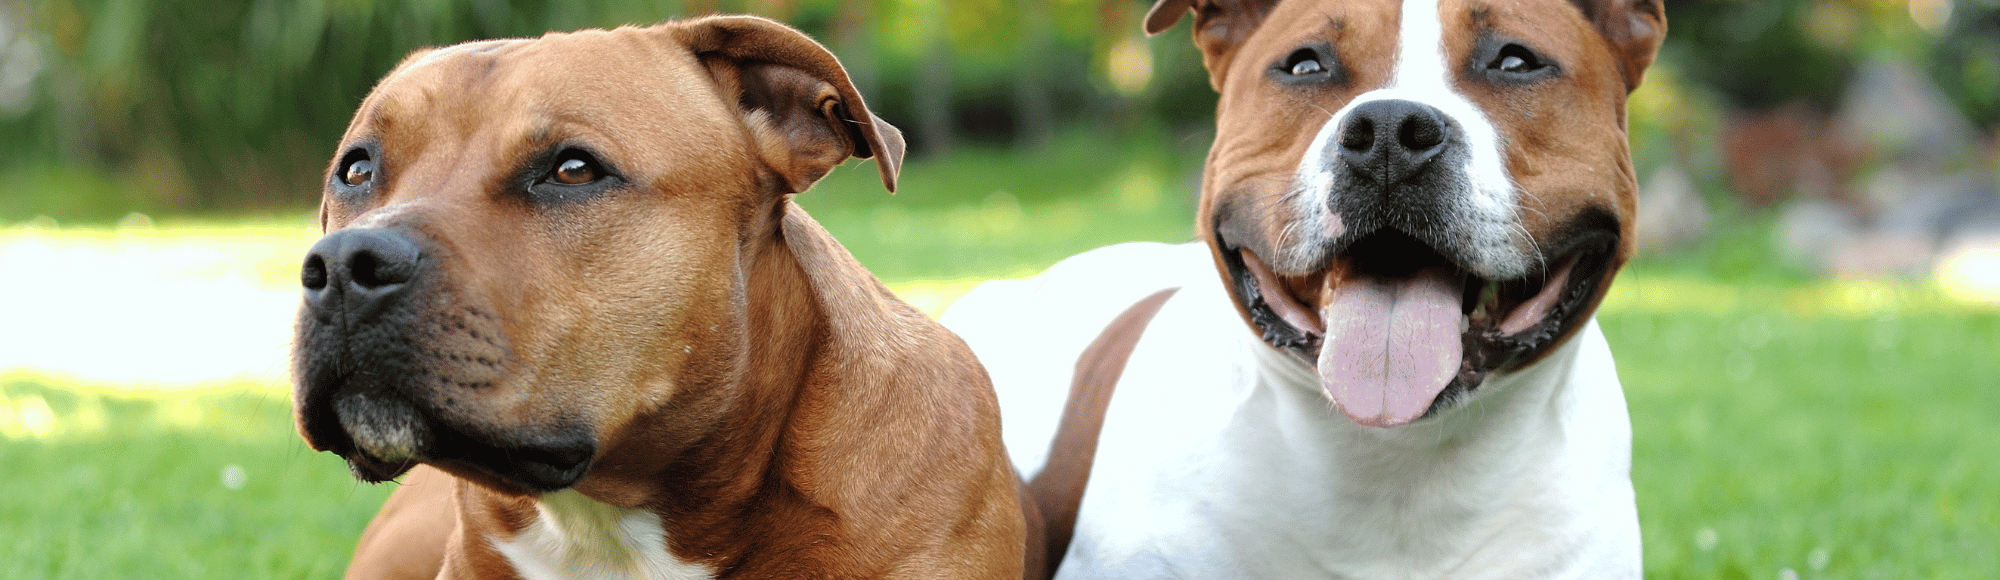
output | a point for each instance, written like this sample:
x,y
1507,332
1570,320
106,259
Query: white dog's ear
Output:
x,y
795,97
1633,27
1219,25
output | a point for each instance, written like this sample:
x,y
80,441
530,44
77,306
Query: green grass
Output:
x,y
1874,441
132,485
985,214
1837,430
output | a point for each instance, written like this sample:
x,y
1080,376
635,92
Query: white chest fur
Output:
x,y
578,538
1221,458
1218,462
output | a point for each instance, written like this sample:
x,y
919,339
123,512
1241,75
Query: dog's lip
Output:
x,y
371,469
1509,321
558,461
517,469
323,431
520,469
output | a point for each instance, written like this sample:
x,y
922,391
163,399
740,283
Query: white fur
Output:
x,y
1221,457
1487,209
578,538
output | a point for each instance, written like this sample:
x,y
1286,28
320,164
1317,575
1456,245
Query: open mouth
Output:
x,y
1398,330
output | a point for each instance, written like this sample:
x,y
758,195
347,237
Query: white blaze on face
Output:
x,y
1486,207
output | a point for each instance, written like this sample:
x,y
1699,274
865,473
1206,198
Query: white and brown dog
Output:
x,y
1414,207
565,282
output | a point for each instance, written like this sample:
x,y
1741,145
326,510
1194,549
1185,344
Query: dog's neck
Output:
x,y
744,466
728,460
1440,490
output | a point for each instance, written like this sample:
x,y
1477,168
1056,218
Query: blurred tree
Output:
x,y
1967,60
201,105
933,84
222,105
1764,54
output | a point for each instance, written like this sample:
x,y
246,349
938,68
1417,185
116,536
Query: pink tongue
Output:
x,y
1392,344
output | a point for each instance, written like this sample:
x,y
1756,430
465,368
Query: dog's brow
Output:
x,y
1336,24
543,131
1482,15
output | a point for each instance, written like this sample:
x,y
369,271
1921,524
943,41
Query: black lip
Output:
x,y
540,460
553,462
1272,328
1486,348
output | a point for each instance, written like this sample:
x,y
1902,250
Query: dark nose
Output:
x,y
1390,140
358,271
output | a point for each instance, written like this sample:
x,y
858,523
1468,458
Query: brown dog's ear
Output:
x,y
1165,14
1634,28
797,100
1219,25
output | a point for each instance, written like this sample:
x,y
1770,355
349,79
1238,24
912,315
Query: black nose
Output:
x,y
358,271
1390,140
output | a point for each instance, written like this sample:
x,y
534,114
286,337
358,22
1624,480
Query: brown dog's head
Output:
x,y
1414,194
531,241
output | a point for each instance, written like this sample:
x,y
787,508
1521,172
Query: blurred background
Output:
x,y
1810,339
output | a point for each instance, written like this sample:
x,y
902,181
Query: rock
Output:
x,y
1672,213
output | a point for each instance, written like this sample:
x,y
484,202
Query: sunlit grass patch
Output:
x,y
1647,291
165,484
144,304
40,406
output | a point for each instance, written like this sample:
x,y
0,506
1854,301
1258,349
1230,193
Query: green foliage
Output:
x,y
1967,61
241,100
206,106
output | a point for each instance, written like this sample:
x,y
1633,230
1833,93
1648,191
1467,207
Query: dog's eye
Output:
x,y
1517,59
575,168
1312,65
358,170
1303,62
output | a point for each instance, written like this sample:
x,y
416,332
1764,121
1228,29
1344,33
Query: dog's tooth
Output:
x,y
1489,301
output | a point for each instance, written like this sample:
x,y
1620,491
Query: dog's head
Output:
x,y
1414,194
532,241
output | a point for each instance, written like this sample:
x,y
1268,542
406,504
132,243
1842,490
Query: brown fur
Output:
x,y
1564,141
1058,488
743,376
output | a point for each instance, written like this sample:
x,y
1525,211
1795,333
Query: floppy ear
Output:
x,y
1219,25
796,99
1634,29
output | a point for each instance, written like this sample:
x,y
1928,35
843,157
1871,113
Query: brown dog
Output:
x,y
567,274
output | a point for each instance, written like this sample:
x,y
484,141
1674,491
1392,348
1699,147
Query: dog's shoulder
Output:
x,y
1029,332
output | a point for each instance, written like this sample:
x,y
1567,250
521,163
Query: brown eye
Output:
x,y
574,169
358,172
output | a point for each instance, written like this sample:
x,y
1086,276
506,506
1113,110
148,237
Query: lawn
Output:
x,y
1785,426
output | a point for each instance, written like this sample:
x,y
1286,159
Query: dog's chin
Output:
x,y
383,437
1400,332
